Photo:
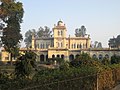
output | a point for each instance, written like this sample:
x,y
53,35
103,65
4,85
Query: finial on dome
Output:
x,y
60,23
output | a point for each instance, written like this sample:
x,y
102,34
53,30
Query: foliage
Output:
x,y
28,37
80,32
105,61
114,42
24,64
115,59
44,32
84,59
11,15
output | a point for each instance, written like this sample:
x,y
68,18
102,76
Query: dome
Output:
x,y
60,23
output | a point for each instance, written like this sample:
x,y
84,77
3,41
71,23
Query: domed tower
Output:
x,y
59,32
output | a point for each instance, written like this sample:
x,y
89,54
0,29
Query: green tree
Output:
x,y
11,14
105,61
28,37
115,59
80,32
44,32
84,60
25,64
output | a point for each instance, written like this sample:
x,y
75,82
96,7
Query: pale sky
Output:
x,y
100,17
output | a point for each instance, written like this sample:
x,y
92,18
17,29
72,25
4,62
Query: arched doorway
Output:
x,y
77,56
100,57
58,56
107,56
46,57
42,58
62,56
53,56
71,57
94,56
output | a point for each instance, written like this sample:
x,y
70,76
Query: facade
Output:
x,y
61,46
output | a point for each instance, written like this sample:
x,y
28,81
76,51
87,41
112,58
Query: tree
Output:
x,y
105,61
11,14
28,37
80,32
44,32
118,41
115,59
99,45
25,64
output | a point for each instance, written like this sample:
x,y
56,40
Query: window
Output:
x,y
58,33
58,44
74,45
61,33
61,44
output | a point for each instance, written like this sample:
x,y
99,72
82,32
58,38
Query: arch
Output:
x,y
58,56
107,56
58,44
58,33
74,45
43,46
100,57
77,56
46,57
77,45
53,56
61,33
71,57
94,56
42,58
80,46
62,56
61,44
40,45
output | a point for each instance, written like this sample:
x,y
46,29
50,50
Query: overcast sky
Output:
x,y
100,17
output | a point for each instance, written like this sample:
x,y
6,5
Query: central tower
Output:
x,y
59,33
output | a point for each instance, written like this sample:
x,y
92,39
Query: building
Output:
x,y
59,45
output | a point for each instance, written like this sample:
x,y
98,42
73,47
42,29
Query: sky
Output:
x,y
100,17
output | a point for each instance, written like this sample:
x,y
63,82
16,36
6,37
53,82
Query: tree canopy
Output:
x,y
40,33
11,14
80,32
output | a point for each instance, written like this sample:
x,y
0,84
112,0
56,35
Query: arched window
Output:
x,y
71,57
74,45
58,56
53,56
77,56
61,44
80,46
43,46
100,57
42,58
61,33
58,33
58,44
77,45
107,56
46,57
94,56
62,56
